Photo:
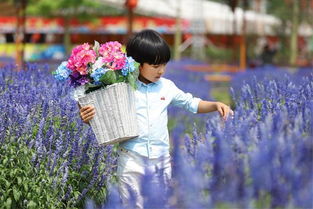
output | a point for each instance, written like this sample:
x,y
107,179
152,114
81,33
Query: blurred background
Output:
x,y
229,35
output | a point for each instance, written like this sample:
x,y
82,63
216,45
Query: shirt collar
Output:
x,y
139,83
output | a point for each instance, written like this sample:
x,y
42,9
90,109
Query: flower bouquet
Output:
x,y
105,77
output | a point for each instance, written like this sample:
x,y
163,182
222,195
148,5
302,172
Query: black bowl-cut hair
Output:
x,y
149,47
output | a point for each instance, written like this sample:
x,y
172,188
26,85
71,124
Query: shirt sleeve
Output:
x,y
184,100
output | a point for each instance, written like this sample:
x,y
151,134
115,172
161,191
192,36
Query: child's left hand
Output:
x,y
223,110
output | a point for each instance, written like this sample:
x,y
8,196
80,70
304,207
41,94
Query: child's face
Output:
x,y
151,73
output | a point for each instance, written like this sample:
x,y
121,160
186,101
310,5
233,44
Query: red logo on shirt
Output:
x,y
162,98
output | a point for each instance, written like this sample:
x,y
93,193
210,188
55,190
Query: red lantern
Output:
x,y
131,4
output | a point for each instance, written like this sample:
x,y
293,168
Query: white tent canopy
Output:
x,y
217,18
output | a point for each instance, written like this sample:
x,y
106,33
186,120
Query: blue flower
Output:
x,y
62,73
96,74
129,66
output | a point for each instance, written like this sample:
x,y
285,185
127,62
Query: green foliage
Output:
x,y
282,9
70,191
219,55
132,77
263,201
221,94
215,54
21,184
111,77
172,122
79,180
108,78
80,175
279,8
131,80
81,9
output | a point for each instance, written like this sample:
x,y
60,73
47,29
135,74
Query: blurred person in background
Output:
x,y
268,53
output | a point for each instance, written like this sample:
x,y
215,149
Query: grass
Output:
x,y
221,94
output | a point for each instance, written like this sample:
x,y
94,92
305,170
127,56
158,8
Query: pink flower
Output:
x,y
81,56
110,47
119,61
112,55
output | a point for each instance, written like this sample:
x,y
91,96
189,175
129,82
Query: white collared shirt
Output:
x,y
152,101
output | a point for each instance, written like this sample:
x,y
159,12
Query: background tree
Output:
x,y
20,6
83,10
293,14
291,19
17,8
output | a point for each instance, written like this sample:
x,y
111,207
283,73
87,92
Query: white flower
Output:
x,y
98,64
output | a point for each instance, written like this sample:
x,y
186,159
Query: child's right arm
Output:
x,y
87,113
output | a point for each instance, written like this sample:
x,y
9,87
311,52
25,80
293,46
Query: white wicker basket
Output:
x,y
115,119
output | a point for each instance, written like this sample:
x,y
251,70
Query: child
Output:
x,y
150,150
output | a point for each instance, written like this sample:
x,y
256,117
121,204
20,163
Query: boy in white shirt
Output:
x,y
150,150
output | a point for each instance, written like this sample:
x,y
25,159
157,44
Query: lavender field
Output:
x,y
261,158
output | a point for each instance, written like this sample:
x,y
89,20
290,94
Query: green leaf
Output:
x,y
8,203
136,72
16,194
136,65
90,85
5,160
25,187
96,47
131,80
7,184
119,77
108,78
31,204
76,194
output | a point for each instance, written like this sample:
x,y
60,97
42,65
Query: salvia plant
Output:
x,y
260,158
40,113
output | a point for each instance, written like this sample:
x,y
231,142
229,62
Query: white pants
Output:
x,y
131,168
